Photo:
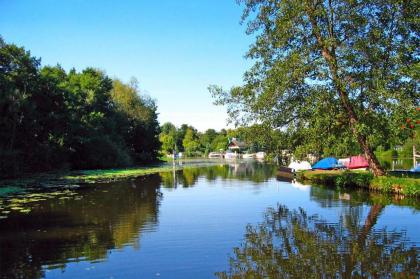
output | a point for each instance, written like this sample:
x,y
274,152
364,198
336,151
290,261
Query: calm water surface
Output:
x,y
217,221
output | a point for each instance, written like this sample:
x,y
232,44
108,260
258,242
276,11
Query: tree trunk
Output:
x,y
353,121
330,57
371,219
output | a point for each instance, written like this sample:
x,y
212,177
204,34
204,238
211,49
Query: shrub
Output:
x,y
389,184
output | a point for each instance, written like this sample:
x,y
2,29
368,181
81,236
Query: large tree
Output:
x,y
190,142
168,138
51,118
141,132
361,55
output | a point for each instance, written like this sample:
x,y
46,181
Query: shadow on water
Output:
x,y
88,226
293,244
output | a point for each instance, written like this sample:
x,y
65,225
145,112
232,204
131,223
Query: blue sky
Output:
x,y
174,48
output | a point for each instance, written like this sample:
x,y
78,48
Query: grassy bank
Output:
x,y
107,175
70,179
19,195
389,184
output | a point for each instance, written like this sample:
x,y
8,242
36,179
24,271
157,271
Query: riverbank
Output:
x,y
408,186
71,179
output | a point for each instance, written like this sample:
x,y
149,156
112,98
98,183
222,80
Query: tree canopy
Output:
x,y
53,119
187,139
344,70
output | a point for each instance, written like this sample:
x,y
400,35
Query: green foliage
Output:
x,y
349,178
141,128
363,179
401,152
190,143
295,244
220,142
188,140
333,75
168,142
206,140
194,143
402,185
168,137
53,119
389,154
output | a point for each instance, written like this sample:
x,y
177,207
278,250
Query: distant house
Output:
x,y
236,145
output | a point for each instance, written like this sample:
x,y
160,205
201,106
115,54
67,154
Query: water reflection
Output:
x,y
396,163
195,226
336,197
293,243
241,170
87,227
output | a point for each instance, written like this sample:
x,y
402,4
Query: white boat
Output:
x,y
299,166
248,156
344,161
231,155
260,155
213,155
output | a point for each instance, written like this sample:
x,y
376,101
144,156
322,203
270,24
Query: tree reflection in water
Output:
x,y
240,170
85,228
293,244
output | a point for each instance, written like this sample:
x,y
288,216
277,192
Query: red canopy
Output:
x,y
357,162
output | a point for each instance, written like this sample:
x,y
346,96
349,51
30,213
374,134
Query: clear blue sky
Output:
x,y
174,48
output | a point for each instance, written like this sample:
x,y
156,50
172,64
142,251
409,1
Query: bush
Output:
x,y
359,179
389,184
401,185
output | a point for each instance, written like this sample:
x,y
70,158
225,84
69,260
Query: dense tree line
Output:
x,y
54,119
193,143
190,141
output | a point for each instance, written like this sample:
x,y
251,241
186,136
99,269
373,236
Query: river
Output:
x,y
224,220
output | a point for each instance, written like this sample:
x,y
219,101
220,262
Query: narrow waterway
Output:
x,y
236,219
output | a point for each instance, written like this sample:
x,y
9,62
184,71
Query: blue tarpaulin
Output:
x,y
416,168
326,164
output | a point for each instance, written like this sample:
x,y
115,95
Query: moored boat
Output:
x,y
213,155
248,156
344,161
328,163
358,162
300,166
285,174
260,155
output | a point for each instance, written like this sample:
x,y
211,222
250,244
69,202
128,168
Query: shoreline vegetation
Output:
x,y
392,184
71,179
